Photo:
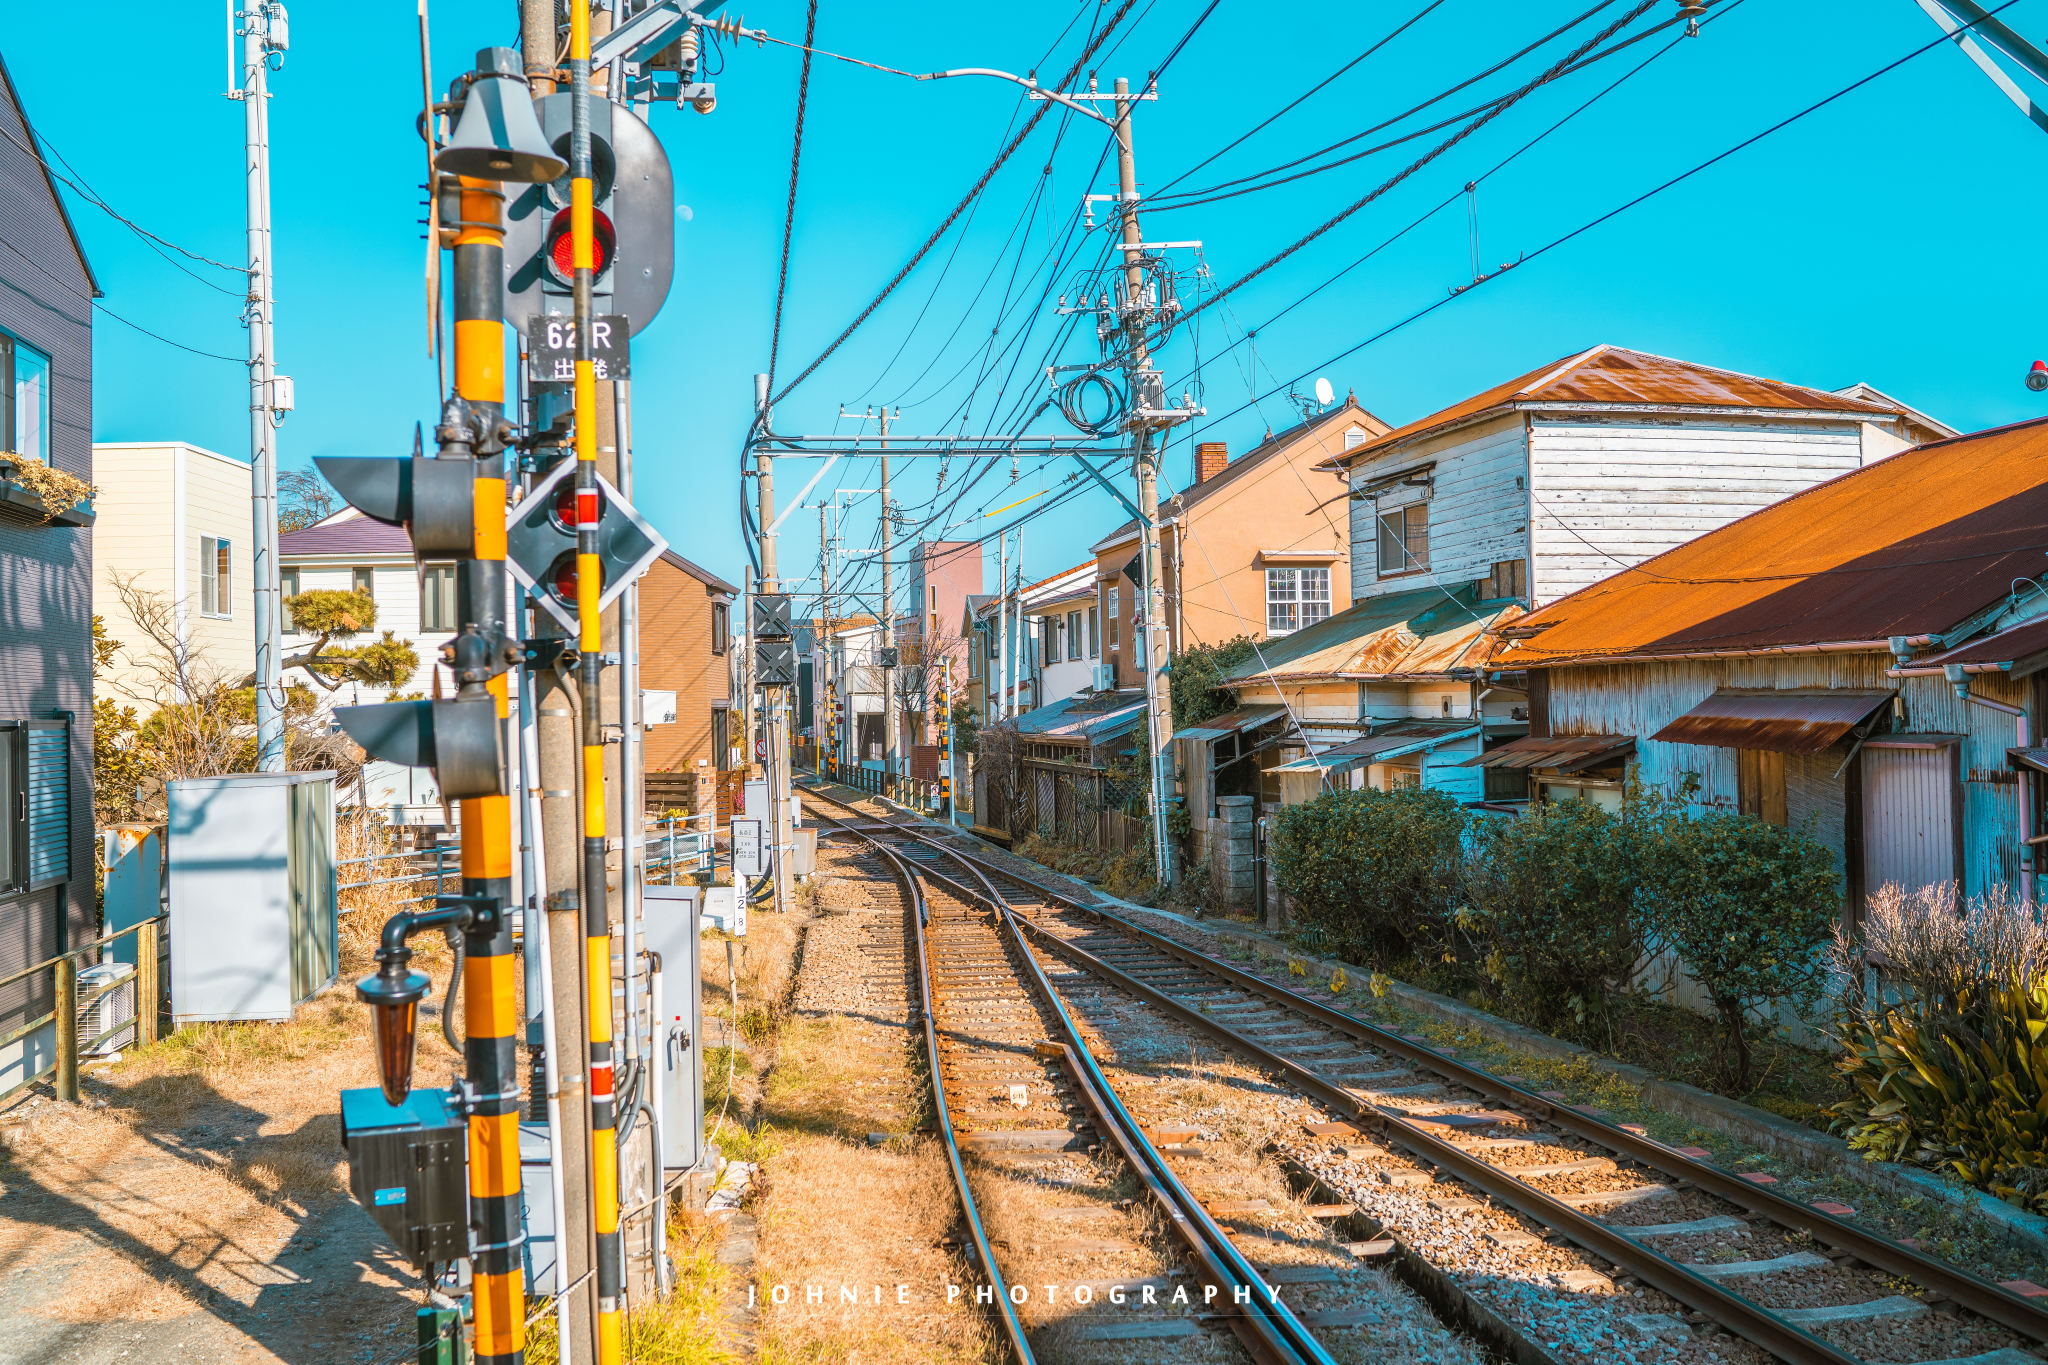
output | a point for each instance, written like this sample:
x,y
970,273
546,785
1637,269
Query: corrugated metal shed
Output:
x,y
1799,720
1428,633
1611,375
1401,740
1084,718
1230,722
1911,545
1566,753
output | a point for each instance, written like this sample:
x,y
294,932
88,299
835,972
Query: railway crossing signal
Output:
x,y
632,221
540,542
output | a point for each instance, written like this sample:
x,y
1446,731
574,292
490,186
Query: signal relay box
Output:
x,y
408,1165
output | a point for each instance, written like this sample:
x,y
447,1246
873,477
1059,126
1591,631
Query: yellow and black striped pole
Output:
x,y
490,1006
604,1151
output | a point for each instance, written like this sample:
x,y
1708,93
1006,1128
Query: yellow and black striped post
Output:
x,y
604,1151
490,1005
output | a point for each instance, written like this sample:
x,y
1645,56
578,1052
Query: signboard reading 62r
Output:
x,y
551,348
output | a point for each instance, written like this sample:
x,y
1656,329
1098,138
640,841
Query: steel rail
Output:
x,y
1013,1330
1273,1329
1270,1332
1987,1300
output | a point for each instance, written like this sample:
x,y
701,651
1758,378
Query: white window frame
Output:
x,y
1283,601
1407,561
1315,594
216,585
437,581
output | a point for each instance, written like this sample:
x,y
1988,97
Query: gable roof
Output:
x,y
1425,632
34,149
346,532
1275,441
1613,376
711,581
1912,545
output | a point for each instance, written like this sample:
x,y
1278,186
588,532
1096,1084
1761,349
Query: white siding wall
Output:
x,y
155,500
1477,510
1611,493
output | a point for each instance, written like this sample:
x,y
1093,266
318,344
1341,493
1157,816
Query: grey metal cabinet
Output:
x,y
252,894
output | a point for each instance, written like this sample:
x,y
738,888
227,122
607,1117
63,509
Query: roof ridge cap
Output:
x,y
1565,367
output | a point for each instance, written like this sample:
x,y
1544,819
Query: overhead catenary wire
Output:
x,y
796,156
1612,213
1425,159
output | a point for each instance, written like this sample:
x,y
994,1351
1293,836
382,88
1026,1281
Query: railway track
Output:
x,y
1516,1172
994,1024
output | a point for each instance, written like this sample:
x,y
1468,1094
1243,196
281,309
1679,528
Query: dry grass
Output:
x,y
679,1330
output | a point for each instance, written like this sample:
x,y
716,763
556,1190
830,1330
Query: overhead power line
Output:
x,y
796,156
959,208
1614,212
1432,154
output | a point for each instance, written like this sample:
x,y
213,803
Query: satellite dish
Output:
x,y
1324,393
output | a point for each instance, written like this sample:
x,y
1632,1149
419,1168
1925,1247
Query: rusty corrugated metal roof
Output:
x,y
2022,641
1804,720
1427,632
1609,374
1230,722
1567,753
1911,545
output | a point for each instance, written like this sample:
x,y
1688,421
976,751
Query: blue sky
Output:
x,y
1891,237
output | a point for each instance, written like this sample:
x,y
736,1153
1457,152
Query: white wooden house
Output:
x,y
1517,496
1849,660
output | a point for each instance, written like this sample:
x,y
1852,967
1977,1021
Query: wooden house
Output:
x,y
1865,659
47,898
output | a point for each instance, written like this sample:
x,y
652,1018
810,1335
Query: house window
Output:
x,y
1048,640
1109,607
364,581
721,747
1760,784
437,598
1510,578
1404,540
35,804
24,399
1073,635
1296,598
1094,632
718,627
216,590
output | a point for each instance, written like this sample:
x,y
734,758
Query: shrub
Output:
x,y
1374,872
1191,682
1948,1068
1747,906
1551,897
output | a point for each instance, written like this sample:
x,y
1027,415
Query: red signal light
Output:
x,y
562,244
562,577
574,507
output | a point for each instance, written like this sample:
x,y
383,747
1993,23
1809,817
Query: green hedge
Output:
x,y
1376,872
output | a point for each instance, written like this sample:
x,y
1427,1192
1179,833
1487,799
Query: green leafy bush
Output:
x,y
1551,897
1377,873
1191,681
1747,907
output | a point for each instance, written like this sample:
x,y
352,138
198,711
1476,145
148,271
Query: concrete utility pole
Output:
x,y
1158,697
263,32
821,685
774,700
888,619
1001,709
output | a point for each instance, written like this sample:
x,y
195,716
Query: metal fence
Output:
x,y
406,867
678,847
918,793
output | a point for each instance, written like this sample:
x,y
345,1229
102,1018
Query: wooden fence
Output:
x,y
1067,802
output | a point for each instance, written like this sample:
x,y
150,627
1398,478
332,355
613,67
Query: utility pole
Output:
x,y
888,619
263,32
821,685
1001,710
774,700
1158,698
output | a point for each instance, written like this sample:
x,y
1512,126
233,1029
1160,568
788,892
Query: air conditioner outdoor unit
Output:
x,y
111,1011
1105,678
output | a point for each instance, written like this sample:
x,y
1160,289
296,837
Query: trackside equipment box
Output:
x,y
408,1166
